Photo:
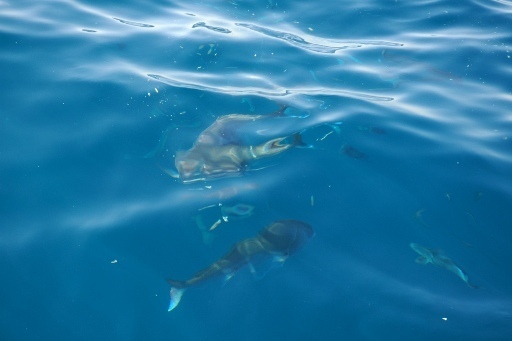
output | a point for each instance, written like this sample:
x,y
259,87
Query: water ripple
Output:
x,y
213,28
133,23
267,93
321,48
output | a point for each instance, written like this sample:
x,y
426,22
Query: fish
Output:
x,y
274,244
417,67
372,129
227,147
438,258
237,211
350,151
418,215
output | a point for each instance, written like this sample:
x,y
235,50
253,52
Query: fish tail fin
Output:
x,y
280,112
287,111
177,290
299,143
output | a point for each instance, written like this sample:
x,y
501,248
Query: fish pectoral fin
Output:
x,y
260,266
269,148
176,294
170,172
421,260
252,269
279,260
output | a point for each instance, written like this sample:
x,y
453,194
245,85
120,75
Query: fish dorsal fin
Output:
x,y
421,260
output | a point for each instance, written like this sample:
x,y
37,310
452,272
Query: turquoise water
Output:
x,y
404,109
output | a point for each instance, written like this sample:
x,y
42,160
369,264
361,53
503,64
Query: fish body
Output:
x,y
230,145
275,243
438,258
352,152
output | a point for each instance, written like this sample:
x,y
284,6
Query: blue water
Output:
x,y
405,105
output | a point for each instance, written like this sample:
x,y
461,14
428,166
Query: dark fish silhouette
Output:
x,y
352,152
228,147
274,243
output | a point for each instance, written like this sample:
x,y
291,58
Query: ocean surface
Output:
x,y
397,130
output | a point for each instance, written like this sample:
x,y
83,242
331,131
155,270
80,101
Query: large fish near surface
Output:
x,y
231,144
438,258
273,244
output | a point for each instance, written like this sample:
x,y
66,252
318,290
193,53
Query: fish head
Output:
x,y
305,230
189,166
208,163
287,236
206,138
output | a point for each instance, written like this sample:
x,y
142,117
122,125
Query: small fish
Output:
x,y
371,129
237,211
377,130
418,215
438,258
424,69
350,151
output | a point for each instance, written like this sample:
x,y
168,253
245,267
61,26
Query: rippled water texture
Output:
x,y
399,129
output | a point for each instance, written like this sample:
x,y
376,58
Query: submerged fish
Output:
x,y
437,258
372,129
237,211
228,147
274,243
418,68
352,152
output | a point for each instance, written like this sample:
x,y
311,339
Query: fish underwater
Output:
x,y
274,243
227,213
438,258
237,211
352,152
231,144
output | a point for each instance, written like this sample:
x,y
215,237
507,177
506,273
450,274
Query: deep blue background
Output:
x,y
97,97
